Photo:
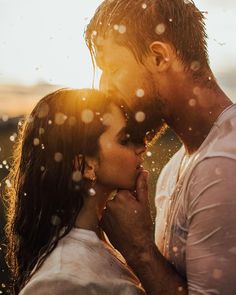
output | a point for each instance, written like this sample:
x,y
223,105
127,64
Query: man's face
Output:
x,y
123,76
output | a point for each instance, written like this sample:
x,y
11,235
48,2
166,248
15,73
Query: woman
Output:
x,y
75,149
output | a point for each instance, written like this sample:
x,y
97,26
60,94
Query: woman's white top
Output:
x,y
83,264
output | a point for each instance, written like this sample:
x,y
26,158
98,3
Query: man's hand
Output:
x,y
127,221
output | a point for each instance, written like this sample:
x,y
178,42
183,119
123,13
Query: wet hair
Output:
x,y
46,191
135,24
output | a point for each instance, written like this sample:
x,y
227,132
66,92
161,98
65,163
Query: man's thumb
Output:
x,y
142,186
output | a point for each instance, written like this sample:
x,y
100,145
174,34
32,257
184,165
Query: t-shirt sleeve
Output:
x,y
61,284
211,241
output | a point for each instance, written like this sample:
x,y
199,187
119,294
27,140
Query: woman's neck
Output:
x,y
91,212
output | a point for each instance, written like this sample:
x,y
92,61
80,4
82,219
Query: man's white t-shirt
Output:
x,y
195,225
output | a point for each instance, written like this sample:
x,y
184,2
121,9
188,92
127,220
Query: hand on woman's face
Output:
x,y
119,159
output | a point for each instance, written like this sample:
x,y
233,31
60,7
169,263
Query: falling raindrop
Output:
x,y
140,92
36,141
149,154
116,27
43,111
160,29
94,33
217,273
5,118
76,176
92,192
195,66
192,102
58,157
122,29
140,116
60,118
55,220
144,5
87,116
41,131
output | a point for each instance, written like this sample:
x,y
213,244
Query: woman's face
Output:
x,y
119,159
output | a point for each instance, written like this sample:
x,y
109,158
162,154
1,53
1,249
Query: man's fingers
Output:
x,y
142,186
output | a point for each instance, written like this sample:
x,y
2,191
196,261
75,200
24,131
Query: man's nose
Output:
x,y
105,84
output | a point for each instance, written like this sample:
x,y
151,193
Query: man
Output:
x,y
153,53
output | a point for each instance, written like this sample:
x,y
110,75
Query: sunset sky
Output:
x,y
43,40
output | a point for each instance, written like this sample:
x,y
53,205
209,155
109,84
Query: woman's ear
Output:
x,y
90,169
162,55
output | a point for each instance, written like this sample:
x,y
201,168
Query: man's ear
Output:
x,y
162,55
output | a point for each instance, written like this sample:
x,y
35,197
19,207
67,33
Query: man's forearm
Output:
x,y
156,274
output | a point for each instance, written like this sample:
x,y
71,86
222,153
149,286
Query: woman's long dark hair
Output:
x,y
45,192
45,195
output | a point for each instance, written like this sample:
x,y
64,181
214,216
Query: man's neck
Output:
x,y
193,119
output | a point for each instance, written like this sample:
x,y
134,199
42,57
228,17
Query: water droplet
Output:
x,y
55,220
175,249
140,92
170,20
12,137
94,33
92,192
49,122
87,116
195,66
58,157
60,118
180,289
192,102
122,29
144,5
140,116
43,110
135,211
5,118
42,168
36,141
41,131
160,29
25,194
116,27
76,176
217,273
149,154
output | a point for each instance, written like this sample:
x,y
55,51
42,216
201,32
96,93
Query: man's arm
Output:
x,y
128,225
211,243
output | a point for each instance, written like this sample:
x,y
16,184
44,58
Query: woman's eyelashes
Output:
x,y
125,140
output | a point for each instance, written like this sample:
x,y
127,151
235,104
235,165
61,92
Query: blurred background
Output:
x,y
42,48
